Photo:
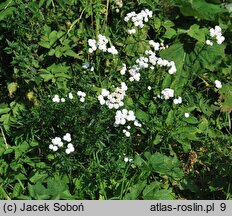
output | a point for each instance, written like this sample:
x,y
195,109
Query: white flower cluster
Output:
x,y
57,143
209,42
131,31
218,84
139,19
167,93
82,95
57,99
217,33
178,100
157,46
101,44
154,60
134,73
115,99
118,5
122,116
142,62
128,160
126,132
123,69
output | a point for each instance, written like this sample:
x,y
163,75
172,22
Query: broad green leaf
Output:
x,y
170,118
197,33
150,190
44,44
209,56
142,116
135,190
166,166
38,177
175,53
52,37
200,9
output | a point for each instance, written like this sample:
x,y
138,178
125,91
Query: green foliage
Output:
x,y
178,150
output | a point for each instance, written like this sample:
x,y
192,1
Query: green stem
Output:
x,y
124,178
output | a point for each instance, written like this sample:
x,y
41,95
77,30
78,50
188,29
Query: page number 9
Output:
x,y
223,206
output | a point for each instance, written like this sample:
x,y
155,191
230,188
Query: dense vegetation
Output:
x,y
111,99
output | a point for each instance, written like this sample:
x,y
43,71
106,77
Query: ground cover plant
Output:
x,y
112,99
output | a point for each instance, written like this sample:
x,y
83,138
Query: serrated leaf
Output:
x,y
150,190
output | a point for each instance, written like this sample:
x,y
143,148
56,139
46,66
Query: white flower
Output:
x,y
55,148
105,93
209,42
67,137
56,99
131,31
155,45
126,19
70,95
123,70
90,50
112,50
126,159
50,146
121,103
137,124
60,144
56,141
81,94
70,146
217,30
127,134
178,100
220,39
92,42
186,115
218,84
67,151
128,127
124,86
167,93
62,100
111,105
82,99
212,32
116,106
